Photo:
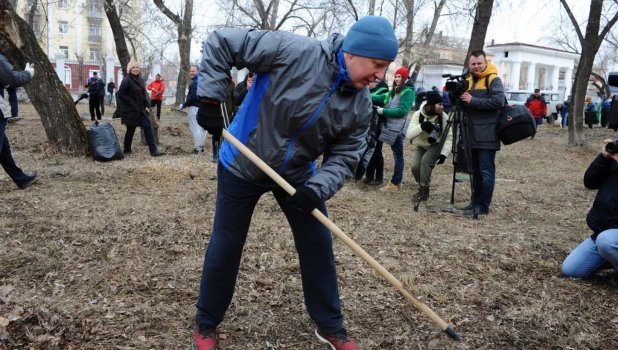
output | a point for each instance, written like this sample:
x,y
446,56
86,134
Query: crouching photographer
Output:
x,y
427,125
600,250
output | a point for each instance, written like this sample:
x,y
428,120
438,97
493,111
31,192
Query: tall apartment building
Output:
x,y
77,34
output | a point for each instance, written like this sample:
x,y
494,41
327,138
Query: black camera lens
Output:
x,y
612,147
432,138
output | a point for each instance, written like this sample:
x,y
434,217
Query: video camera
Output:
x,y
456,85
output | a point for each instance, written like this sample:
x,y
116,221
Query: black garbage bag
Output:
x,y
103,142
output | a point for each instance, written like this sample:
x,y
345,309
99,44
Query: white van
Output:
x,y
552,98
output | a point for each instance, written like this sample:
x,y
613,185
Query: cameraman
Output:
x,y
424,123
600,250
483,103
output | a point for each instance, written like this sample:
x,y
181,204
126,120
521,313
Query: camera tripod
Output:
x,y
458,120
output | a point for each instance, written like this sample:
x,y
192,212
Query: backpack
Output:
x,y
515,123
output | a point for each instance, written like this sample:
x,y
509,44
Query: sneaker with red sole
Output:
x,y
204,338
338,341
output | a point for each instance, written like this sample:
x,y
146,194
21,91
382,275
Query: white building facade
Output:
x,y
527,67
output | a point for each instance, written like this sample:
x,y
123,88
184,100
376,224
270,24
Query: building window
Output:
x,y
443,56
94,54
506,54
63,4
65,51
94,5
64,27
94,29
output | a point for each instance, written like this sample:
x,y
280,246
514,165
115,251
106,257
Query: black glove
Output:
x,y
210,118
305,199
427,126
441,159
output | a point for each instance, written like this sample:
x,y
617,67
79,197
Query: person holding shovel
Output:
x,y
309,98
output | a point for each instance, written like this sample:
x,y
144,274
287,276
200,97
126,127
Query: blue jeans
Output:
x,y
110,97
590,256
397,148
565,119
484,173
236,200
12,100
6,158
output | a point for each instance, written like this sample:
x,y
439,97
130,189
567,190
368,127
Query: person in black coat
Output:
x,y
600,250
94,101
243,88
133,108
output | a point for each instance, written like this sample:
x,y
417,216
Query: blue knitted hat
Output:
x,y
372,37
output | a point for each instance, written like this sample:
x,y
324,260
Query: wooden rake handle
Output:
x,y
347,240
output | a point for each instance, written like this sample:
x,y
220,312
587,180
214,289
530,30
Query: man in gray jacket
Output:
x,y
12,79
309,98
483,102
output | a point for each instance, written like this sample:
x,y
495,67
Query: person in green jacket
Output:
x,y
429,118
397,105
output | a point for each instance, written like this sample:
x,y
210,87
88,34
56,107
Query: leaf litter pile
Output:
x,y
109,255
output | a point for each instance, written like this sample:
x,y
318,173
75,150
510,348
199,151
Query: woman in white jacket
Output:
x,y
429,118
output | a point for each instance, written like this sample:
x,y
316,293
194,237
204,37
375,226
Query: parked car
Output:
x,y
552,98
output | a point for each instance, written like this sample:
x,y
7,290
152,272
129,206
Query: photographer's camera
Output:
x,y
612,147
433,135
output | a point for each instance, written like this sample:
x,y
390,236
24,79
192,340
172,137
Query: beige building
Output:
x,y
70,31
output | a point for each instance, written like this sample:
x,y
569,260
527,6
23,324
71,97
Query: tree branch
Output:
x,y
166,11
574,21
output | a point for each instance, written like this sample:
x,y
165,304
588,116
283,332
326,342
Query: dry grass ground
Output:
x,y
109,255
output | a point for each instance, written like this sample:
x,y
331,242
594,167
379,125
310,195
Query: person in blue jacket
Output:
x,y
309,98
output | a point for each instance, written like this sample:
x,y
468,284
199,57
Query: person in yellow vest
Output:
x,y
483,102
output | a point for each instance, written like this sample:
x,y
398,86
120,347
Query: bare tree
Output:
x,y
427,38
65,130
119,38
183,26
482,16
590,45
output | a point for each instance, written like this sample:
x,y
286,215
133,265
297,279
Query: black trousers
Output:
x,y
95,106
157,103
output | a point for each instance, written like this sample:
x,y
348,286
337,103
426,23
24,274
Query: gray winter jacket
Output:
x,y
10,78
296,110
484,109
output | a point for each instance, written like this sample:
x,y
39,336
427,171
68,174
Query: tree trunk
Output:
x,y
121,46
479,29
406,53
183,26
372,7
590,46
577,136
430,33
64,128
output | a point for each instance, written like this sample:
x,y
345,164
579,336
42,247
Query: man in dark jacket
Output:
x,y
600,250
101,84
309,99
111,90
483,102
12,79
242,89
94,102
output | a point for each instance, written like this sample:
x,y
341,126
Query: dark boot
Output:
x,y
423,193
